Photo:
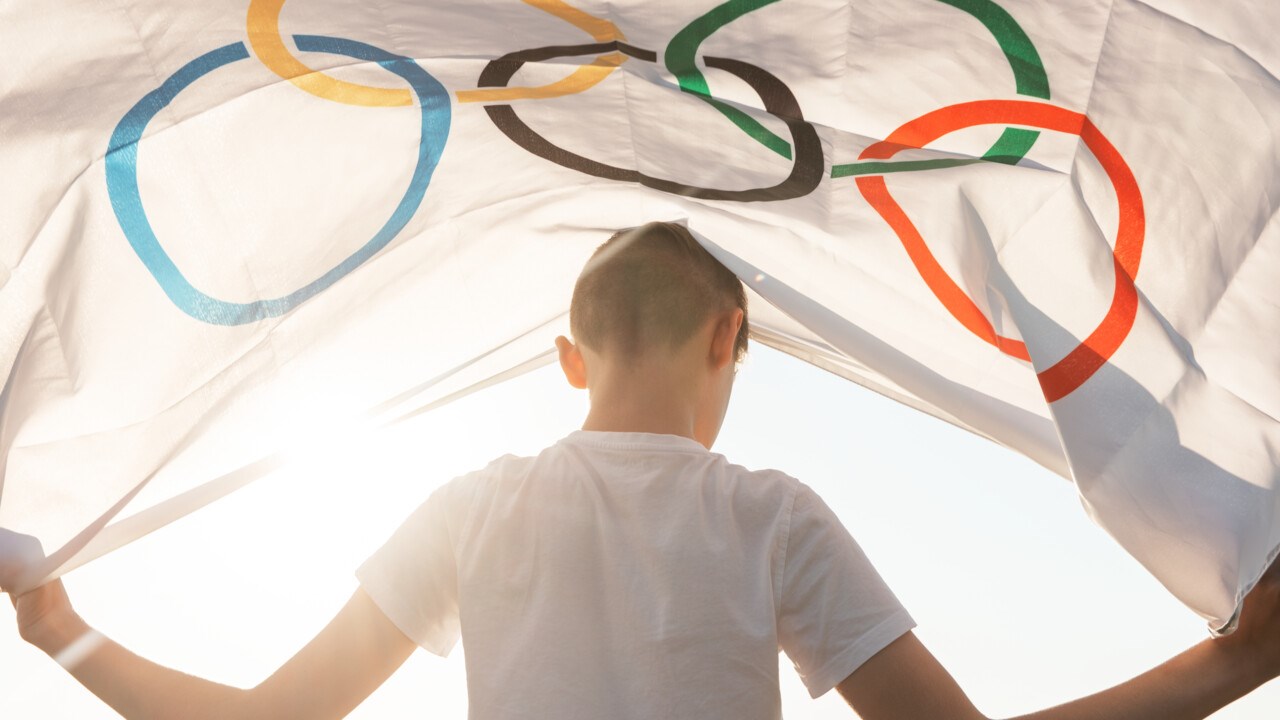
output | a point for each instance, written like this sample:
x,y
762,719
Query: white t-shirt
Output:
x,y
632,575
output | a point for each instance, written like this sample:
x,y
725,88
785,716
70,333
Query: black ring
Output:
x,y
806,169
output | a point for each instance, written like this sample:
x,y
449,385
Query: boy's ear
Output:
x,y
571,362
725,337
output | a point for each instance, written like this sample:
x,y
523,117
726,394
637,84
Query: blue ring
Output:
x,y
122,178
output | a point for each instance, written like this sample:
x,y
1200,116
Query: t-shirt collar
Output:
x,y
634,440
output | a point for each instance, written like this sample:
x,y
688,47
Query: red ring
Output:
x,y
1083,361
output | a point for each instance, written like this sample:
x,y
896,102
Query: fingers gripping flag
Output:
x,y
1053,226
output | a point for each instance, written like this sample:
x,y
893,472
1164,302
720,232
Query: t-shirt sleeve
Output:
x,y
413,577
835,610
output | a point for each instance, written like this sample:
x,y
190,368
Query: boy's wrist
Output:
x,y
58,633
1255,665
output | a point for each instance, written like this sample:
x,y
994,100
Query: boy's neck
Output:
x,y
641,405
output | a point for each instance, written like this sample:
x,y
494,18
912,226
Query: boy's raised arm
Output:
x,y
905,682
339,668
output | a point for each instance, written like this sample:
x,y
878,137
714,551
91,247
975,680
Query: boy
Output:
x,y
629,572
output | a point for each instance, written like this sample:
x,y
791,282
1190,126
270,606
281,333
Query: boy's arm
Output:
x,y
346,661
905,682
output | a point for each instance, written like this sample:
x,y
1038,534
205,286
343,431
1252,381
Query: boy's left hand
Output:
x,y
1256,640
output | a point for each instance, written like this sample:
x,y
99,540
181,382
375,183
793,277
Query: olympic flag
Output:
x,y
226,225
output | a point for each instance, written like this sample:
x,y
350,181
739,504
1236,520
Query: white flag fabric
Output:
x,y
228,227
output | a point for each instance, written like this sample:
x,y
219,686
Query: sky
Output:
x,y
1015,590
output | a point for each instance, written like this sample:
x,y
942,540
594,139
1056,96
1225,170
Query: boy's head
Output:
x,y
649,290
660,327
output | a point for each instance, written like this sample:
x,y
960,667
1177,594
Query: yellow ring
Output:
x,y
264,37
584,77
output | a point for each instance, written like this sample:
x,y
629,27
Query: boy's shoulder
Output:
x,y
709,466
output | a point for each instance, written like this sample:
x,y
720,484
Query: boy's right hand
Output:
x,y
328,678
46,618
